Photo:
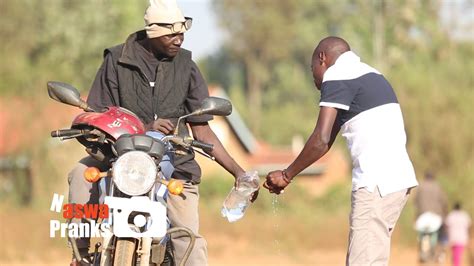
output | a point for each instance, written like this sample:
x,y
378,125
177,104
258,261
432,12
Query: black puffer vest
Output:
x,y
166,99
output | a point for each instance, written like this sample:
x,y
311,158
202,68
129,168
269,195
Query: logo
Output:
x,y
79,211
135,209
132,217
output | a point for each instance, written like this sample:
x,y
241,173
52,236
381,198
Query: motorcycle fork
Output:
x,y
108,245
144,243
143,250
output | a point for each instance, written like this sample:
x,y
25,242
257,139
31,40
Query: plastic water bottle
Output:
x,y
239,197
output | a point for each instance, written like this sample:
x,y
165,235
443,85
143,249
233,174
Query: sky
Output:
x,y
459,13
205,36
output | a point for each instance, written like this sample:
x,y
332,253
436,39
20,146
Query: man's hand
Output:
x,y
276,182
163,125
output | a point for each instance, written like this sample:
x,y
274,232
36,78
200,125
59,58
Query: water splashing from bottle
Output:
x,y
276,224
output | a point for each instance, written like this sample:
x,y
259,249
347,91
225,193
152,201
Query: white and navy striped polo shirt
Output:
x,y
372,125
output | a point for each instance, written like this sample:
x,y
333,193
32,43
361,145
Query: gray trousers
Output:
x,y
372,221
182,211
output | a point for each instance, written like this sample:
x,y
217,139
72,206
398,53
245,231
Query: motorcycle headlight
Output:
x,y
134,173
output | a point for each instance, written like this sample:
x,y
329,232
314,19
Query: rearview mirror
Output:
x,y
210,106
215,106
65,93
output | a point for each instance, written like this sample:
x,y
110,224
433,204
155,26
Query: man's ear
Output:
x,y
322,58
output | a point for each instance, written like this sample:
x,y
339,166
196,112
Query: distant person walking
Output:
x,y
431,206
458,223
430,197
359,101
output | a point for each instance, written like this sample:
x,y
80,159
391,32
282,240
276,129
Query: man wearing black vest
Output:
x,y
153,77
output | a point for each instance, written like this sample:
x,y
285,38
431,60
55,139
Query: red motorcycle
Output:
x,y
135,189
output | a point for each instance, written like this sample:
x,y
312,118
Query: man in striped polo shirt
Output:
x,y
358,101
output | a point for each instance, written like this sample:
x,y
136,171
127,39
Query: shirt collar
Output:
x,y
347,57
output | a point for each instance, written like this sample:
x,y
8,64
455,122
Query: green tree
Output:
x,y
260,39
60,40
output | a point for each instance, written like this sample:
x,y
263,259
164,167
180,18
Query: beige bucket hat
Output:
x,y
164,17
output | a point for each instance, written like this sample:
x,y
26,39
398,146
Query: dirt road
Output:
x,y
235,258
20,233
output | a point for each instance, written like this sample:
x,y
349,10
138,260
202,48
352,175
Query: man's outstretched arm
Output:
x,y
317,145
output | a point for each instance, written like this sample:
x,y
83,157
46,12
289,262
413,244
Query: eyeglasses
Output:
x,y
177,26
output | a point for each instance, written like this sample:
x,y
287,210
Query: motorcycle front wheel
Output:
x,y
124,254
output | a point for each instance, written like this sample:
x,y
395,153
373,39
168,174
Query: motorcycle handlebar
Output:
x,y
202,145
66,133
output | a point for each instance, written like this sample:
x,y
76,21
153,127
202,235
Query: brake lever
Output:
x,y
205,155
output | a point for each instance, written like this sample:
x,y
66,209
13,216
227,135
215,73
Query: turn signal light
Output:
x,y
92,174
175,187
